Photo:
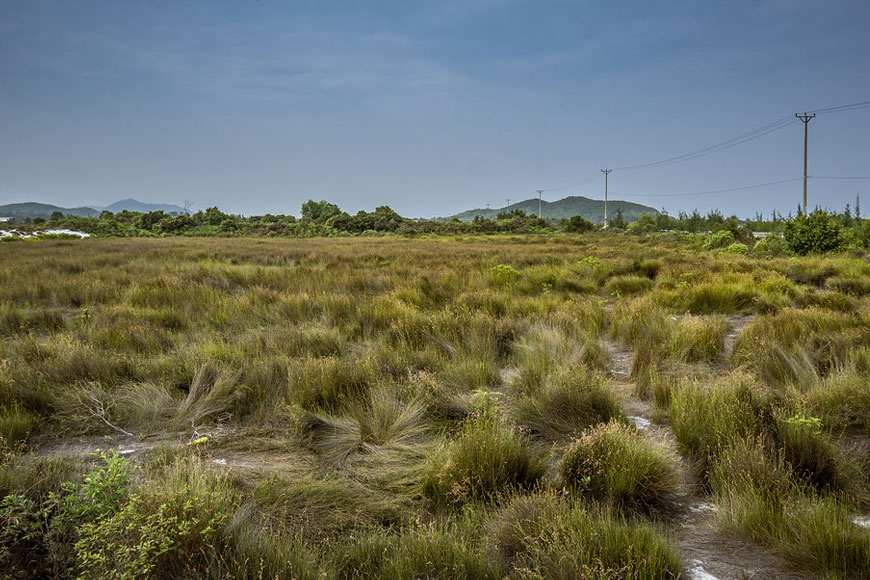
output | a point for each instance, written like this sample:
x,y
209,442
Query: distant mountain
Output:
x,y
134,205
31,209
590,209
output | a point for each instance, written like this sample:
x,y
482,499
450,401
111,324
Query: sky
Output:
x,y
430,107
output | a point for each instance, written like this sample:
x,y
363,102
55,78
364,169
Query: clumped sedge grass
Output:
x,y
16,425
317,509
796,347
432,392
698,339
449,551
627,285
571,399
811,453
487,458
550,536
616,464
708,418
36,477
380,424
759,497
550,348
842,401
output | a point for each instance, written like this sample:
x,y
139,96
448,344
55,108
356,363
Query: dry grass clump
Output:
x,y
616,464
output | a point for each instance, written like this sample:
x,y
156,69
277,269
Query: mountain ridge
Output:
x,y
590,209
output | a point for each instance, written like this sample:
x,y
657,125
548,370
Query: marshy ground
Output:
x,y
595,406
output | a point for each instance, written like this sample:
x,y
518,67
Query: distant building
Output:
x,y
3,220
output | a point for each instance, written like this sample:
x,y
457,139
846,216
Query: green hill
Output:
x,y
31,209
590,209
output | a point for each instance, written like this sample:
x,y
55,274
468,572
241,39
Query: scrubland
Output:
x,y
431,408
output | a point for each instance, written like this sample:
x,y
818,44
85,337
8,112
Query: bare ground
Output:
x,y
707,554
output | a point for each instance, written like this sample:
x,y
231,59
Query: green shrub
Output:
x,y
486,460
816,233
771,246
719,239
616,464
503,275
737,248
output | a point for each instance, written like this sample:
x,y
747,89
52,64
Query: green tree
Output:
x,y
319,211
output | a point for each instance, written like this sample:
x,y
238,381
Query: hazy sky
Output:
x,y
429,107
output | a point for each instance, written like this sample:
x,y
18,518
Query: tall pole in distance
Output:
x,y
806,121
540,211
606,172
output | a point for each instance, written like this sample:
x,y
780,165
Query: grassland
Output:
x,y
559,406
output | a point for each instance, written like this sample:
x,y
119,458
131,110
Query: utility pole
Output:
x,y
508,200
806,121
540,211
606,172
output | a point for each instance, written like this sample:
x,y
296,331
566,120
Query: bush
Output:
x,y
616,464
503,275
738,248
486,460
816,233
718,239
771,246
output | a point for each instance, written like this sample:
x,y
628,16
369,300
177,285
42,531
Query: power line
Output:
x,y
859,177
730,189
721,146
841,108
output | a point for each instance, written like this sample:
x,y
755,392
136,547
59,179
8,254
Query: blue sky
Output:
x,y
429,107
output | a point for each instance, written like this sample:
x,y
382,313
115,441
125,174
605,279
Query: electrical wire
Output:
x,y
727,144
838,177
841,108
728,190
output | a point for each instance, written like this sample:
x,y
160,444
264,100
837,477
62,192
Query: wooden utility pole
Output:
x,y
806,121
540,203
606,172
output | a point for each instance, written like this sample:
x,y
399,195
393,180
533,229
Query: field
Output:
x,y
556,406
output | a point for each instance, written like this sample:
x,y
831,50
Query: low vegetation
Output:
x,y
419,407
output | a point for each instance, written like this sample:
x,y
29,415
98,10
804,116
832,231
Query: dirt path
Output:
x,y
706,554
